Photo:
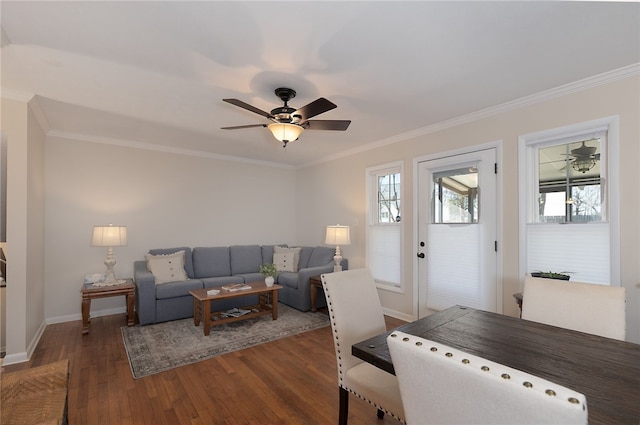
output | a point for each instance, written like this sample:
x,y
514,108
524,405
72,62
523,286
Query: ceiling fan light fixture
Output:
x,y
582,165
285,132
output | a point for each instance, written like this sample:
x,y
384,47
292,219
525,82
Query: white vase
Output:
x,y
269,281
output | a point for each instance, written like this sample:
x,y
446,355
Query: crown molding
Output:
x,y
160,148
38,112
17,95
564,90
32,102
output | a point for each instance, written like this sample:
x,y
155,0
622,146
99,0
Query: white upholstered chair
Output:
x,y
442,385
356,314
584,307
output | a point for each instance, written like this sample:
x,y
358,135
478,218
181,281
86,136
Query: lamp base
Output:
x,y
337,259
109,276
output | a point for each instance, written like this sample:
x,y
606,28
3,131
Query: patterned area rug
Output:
x,y
156,348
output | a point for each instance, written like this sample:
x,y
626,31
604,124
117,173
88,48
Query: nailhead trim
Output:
x,y
505,376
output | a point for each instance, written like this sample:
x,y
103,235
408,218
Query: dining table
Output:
x,y
606,371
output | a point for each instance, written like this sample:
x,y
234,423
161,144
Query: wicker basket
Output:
x,y
35,396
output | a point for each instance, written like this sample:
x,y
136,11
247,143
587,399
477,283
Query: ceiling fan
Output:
x,y
289,123
584,157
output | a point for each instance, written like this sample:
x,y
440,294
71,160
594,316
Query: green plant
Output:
x,y
269,269
552,275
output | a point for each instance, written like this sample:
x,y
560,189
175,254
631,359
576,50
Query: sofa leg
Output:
x,y
380,414
344,407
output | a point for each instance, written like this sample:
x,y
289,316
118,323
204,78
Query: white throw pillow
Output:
x,y
284,262
284,250
167,268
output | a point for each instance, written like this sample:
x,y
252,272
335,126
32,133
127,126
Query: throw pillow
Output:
x,y
284,250
284,262
167,268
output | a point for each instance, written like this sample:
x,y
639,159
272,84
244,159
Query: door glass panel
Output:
x,y
455,196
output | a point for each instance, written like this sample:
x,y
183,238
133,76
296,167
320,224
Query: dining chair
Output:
x,y
584,307
356,314
443,385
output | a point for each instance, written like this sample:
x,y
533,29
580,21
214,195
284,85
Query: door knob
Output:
x,y
421,255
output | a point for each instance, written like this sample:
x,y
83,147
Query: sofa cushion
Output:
x,y
188,259
284,250
284,262
167,267
321,256
216,282
251,277
211,261
245,258
177,289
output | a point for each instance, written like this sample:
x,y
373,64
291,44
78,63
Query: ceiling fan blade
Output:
x,y
244,105
314,108
340,125
243,126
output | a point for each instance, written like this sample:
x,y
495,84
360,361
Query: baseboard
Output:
x,y
24,356
78,316
15,358
398,315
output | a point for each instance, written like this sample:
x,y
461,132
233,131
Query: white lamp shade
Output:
x,y
285,132
338,235
109,236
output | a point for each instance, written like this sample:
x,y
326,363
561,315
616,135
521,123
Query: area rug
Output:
x,y
156,348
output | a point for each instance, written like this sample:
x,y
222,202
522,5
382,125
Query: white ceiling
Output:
x,y
156,72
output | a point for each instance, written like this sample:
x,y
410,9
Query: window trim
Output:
x,y
610,177
371,180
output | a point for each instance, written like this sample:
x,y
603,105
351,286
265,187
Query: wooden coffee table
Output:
x,y
268,304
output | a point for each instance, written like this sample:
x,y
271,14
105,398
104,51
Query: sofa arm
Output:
x,y
304,286
145,293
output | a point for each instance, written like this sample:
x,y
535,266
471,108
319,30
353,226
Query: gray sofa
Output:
x,y
212,267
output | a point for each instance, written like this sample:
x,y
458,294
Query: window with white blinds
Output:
x,y
570,187
384,227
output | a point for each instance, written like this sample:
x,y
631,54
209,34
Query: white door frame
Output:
x,y
497,145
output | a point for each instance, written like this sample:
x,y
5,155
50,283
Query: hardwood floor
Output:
x,y
289,381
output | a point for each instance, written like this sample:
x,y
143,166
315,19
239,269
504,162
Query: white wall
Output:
x,y
164,199
335,191
25,229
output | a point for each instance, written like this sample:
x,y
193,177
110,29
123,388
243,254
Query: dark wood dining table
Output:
x,y
606,371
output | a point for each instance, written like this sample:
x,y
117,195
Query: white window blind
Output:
x,y
457,279
384,253
582,249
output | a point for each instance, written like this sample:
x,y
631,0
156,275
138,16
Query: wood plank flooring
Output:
x,y
289,381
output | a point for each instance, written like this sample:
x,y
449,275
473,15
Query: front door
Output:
x,y
457,240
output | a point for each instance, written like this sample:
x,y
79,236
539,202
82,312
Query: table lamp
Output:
x,y
337,235
109,236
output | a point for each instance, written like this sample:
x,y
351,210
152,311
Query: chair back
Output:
x,y
355,312
584,307
443,385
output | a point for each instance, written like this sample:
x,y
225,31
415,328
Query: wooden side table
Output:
x,y
89,292
518,298
315,284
